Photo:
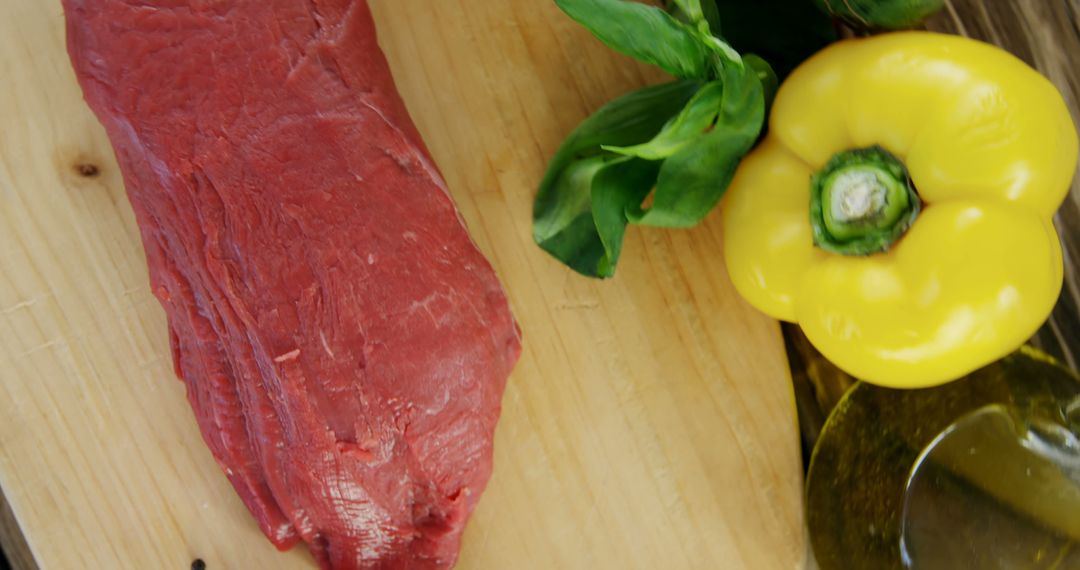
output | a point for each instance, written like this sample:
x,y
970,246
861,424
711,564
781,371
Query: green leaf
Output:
x,y
631,119
563,225
563,222
644,32
707,9
765,74
591,218
876,15
617,187
692,10
712,15
784,32
725,53
690,124
692,181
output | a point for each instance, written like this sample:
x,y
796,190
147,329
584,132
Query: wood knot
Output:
x,y
198,564
87,170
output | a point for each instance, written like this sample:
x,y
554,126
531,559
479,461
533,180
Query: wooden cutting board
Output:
x,y
650,423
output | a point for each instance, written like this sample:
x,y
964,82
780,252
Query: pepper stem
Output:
x,y
862,202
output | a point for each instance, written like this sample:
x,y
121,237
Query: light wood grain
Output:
x,y
649,424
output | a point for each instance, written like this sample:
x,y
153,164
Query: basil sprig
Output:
x,y
564,223
692,180
684,139
643,32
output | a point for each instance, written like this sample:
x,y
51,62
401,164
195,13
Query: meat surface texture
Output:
x,y
343,342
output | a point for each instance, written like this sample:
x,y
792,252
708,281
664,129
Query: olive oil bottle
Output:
x,y
981,473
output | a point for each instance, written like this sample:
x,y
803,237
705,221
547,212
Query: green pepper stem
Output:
x,y
862,202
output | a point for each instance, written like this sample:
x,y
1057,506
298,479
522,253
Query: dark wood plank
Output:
x,y
12,542
1046,35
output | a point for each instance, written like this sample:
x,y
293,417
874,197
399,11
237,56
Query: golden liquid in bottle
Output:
x,y
981,473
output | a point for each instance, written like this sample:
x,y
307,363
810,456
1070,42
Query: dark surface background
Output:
x,y
1045,34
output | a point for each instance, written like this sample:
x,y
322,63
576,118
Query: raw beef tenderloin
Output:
x,y
343,342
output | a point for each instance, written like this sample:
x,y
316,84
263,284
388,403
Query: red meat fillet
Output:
x,y
343,342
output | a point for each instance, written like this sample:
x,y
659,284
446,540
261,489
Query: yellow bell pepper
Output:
x,y
900,208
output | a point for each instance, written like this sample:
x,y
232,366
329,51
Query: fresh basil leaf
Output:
x,y
692,181
617,187
704,17
881,15
562,214
591,218
723,54
690,124
707,8
631,119
565,228
784,32
692,10
770,83
712,15
644,32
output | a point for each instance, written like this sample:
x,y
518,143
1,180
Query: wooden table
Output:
x,y
1042,32
649,423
